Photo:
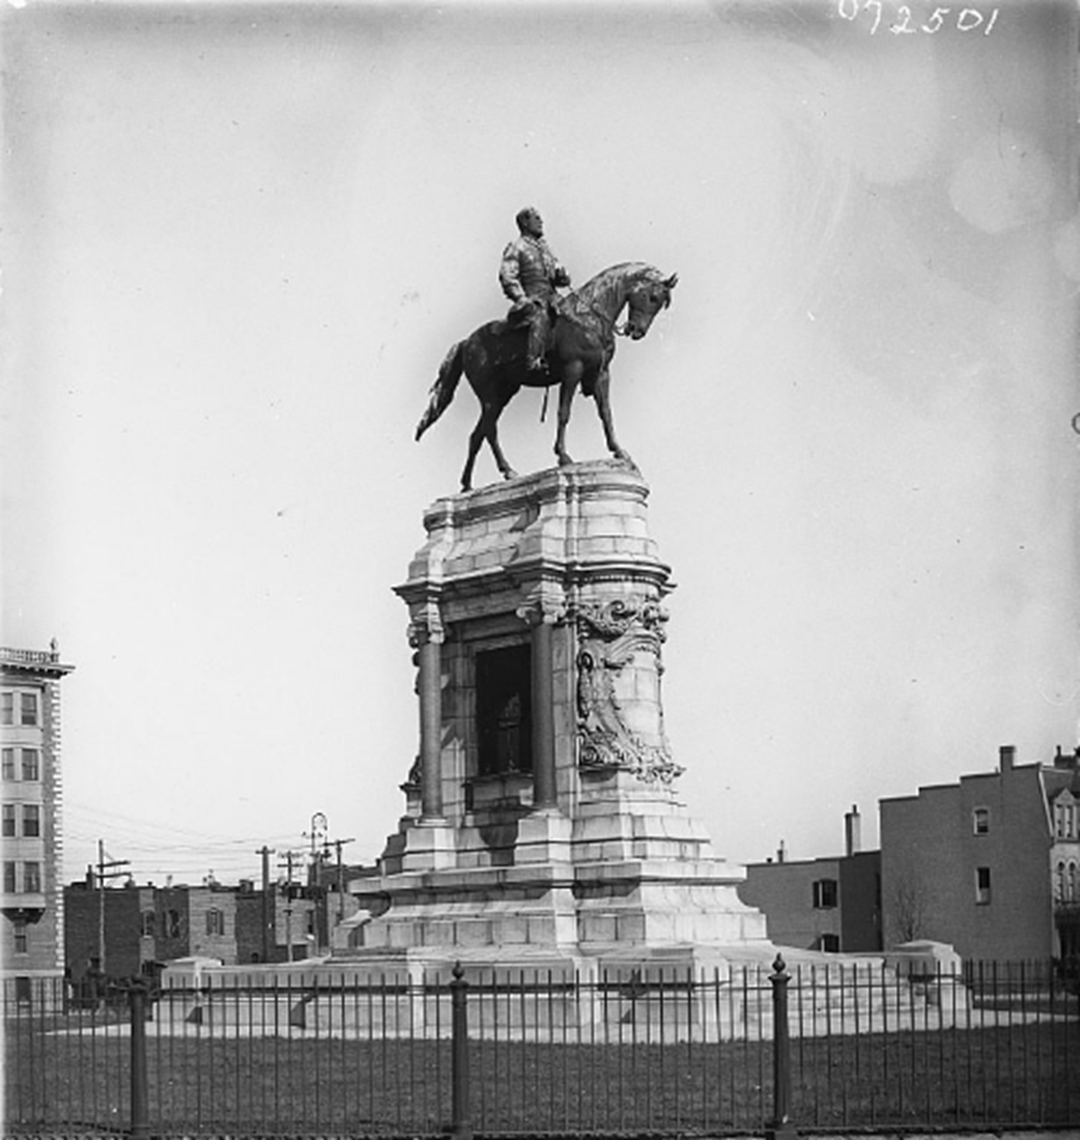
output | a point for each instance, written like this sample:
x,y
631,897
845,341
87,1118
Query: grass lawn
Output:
x,y
1027,1074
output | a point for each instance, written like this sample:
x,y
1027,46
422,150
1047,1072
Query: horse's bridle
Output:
x,y
609,329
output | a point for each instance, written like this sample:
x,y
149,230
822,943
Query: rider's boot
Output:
x,y
534,348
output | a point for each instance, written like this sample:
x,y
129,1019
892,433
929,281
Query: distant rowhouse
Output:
x,y
990,864
31,835
831,904
142,925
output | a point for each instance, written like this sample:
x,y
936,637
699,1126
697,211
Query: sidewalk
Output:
x,y
1064,1133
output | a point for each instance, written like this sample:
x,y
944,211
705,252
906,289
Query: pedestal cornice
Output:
x,y
553,533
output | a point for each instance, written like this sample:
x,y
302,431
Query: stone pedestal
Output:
x,y
543,822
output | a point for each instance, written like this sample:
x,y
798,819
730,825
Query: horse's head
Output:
x,y
648,295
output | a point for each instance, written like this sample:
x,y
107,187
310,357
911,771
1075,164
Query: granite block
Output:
x,y
597,927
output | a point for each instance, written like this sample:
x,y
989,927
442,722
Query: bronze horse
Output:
x,y
579,351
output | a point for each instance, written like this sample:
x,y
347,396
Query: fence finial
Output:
x,y
780,1127
461,1123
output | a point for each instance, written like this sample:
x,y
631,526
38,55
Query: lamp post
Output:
x,y
317,835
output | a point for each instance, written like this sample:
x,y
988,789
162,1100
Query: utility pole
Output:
x,y
338,844
266,852
316,891
289,857
105,870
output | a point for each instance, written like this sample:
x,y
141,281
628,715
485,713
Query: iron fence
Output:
x,y
326,1052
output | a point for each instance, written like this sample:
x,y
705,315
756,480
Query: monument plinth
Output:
x,y
543,821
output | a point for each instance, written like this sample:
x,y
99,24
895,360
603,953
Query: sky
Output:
x,y
239,238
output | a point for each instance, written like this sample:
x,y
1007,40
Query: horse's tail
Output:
x,y
442,391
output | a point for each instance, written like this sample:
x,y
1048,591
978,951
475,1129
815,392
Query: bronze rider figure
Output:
x,y
529,275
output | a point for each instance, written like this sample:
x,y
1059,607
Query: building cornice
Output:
x,y
33,662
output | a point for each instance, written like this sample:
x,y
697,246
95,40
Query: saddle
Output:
x,y
520,312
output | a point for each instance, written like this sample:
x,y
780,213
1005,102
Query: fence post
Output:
x,y
140,1120
780,1127
460,1126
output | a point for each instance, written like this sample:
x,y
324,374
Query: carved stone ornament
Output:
x,y
426,628
620,718
542,610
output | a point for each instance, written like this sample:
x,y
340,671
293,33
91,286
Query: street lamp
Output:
x,y
317,836
318,832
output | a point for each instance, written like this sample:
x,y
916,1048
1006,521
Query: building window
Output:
x,y
1065,817
980,821
31,821
1072,896
830,943
1059,883
31,770
32,878
7,708
982,886
9,878
22,945
825,894
29,709
22,990
215,921
149,923
172,924
9,821
9,764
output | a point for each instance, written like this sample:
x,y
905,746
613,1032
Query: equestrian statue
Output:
x,y
547,339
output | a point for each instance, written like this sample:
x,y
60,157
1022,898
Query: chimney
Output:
x,y
780,852
1063,761
1007,754
852,831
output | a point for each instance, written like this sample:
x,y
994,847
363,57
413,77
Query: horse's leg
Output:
x,y
476,437
486,428
571,375
603,406
491,414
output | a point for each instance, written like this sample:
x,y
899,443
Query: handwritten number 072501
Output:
x,y
965,19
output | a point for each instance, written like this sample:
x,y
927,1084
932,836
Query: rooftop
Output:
x,y
40,661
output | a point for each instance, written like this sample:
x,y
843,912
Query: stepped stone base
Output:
x,y
611,868
630,880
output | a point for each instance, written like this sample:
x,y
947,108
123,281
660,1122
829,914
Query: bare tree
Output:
x,y
909,908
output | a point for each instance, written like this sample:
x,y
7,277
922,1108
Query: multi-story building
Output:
x,y
990,864
831,904
140,925
30,833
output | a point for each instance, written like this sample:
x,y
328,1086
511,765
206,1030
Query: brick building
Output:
x,y
31,837
145,924
990,864
831,904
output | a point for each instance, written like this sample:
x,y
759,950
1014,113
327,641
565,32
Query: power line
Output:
x,y
105,870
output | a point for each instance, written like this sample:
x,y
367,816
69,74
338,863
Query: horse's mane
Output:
x,y
597,288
